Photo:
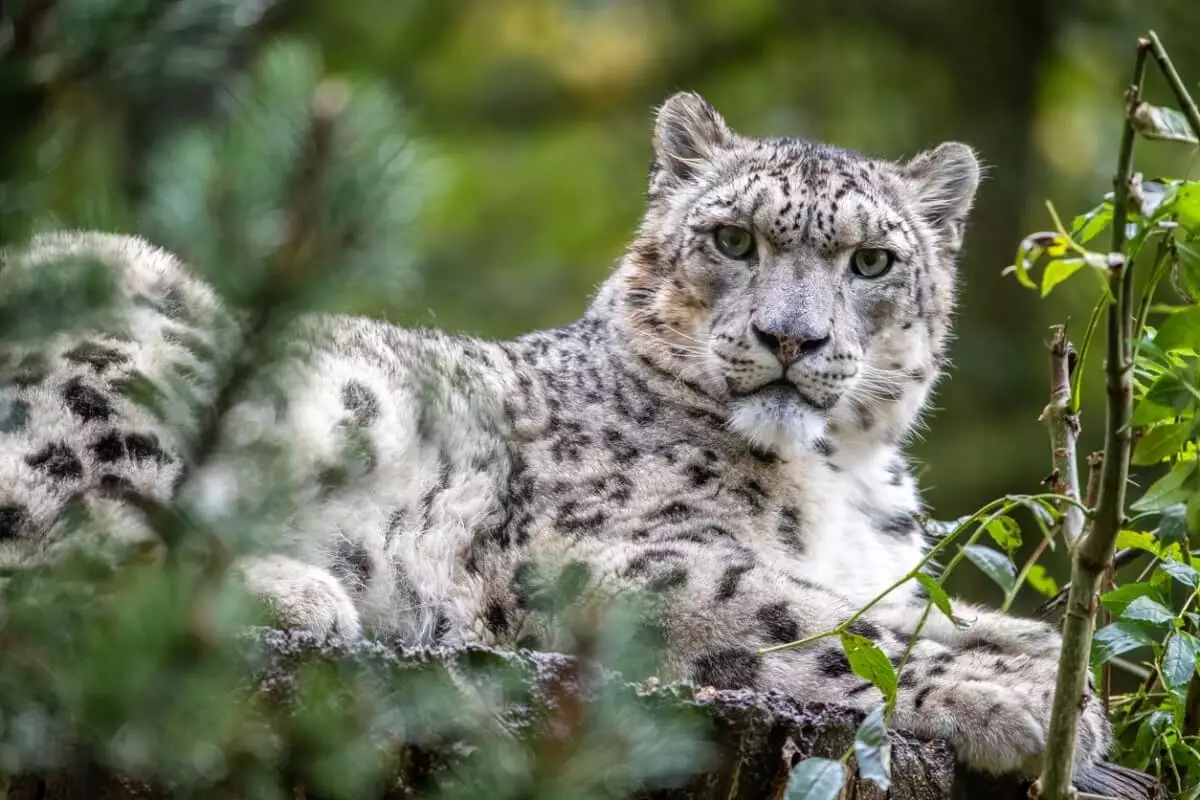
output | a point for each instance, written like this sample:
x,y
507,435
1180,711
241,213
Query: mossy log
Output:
x,y
758,736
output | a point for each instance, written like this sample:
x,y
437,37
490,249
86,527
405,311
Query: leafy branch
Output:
x,y
1093,556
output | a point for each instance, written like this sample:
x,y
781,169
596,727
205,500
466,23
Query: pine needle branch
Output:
x,y
290,265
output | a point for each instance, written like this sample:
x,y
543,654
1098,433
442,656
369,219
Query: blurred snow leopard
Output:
x,y
723,428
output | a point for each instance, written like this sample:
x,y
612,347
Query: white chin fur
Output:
x,y
775,425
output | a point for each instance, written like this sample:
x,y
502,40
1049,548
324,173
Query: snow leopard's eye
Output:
x,y
872,262
734,242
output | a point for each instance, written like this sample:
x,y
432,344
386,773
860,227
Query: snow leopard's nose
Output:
x,y
789,349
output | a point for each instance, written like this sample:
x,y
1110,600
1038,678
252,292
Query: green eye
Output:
x,y
872,262
734,242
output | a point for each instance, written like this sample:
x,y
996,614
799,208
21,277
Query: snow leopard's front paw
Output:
x,y
303,597
995,711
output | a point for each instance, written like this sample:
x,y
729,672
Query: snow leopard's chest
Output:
x,y
658,477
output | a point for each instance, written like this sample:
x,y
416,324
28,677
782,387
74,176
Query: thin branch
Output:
x,y
1121,559
1176,83
1094,553
1137,670
1063,426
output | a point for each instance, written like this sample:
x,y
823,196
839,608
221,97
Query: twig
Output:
x,y
1094,553
1063,426
1177,85
1148,686
1023,574
1121,559
1137,670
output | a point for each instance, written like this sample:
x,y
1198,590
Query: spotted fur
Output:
x,y
723,433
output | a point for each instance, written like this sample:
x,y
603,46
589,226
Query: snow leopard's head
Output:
x,y
808,287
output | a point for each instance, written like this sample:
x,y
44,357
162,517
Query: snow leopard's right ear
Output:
x,y
944,181
688,132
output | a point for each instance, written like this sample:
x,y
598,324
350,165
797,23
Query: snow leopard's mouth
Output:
x,y
783,390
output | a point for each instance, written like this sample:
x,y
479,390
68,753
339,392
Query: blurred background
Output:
x,y
534,121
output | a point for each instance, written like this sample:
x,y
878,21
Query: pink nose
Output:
x,y
786,349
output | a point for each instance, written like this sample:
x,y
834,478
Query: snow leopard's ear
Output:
x,y
944,181
688,132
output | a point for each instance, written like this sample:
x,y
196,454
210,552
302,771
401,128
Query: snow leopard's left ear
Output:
x,y
944,181
688,133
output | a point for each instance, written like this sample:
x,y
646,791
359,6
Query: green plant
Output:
x,y
1152,368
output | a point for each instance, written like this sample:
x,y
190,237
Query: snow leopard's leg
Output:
x,y
991,701
302,596
979,627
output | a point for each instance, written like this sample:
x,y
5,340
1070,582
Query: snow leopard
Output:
x,y
722,431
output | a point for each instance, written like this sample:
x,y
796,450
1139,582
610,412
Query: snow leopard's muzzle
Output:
x,y
810,368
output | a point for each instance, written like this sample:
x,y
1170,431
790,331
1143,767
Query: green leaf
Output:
x,y
1172,525
938,596
1188,263
1180,330
1041,581
1151,727
1170,391
1119,637
1058,271
1160,443
870,663
1143,609
1140,540
1191,514
873,751
1179,660
1167,490
1031,248
1184,573
995,565
1160,122
816,779
1088,226
1005,532
1147,412
1121,597
1187,205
